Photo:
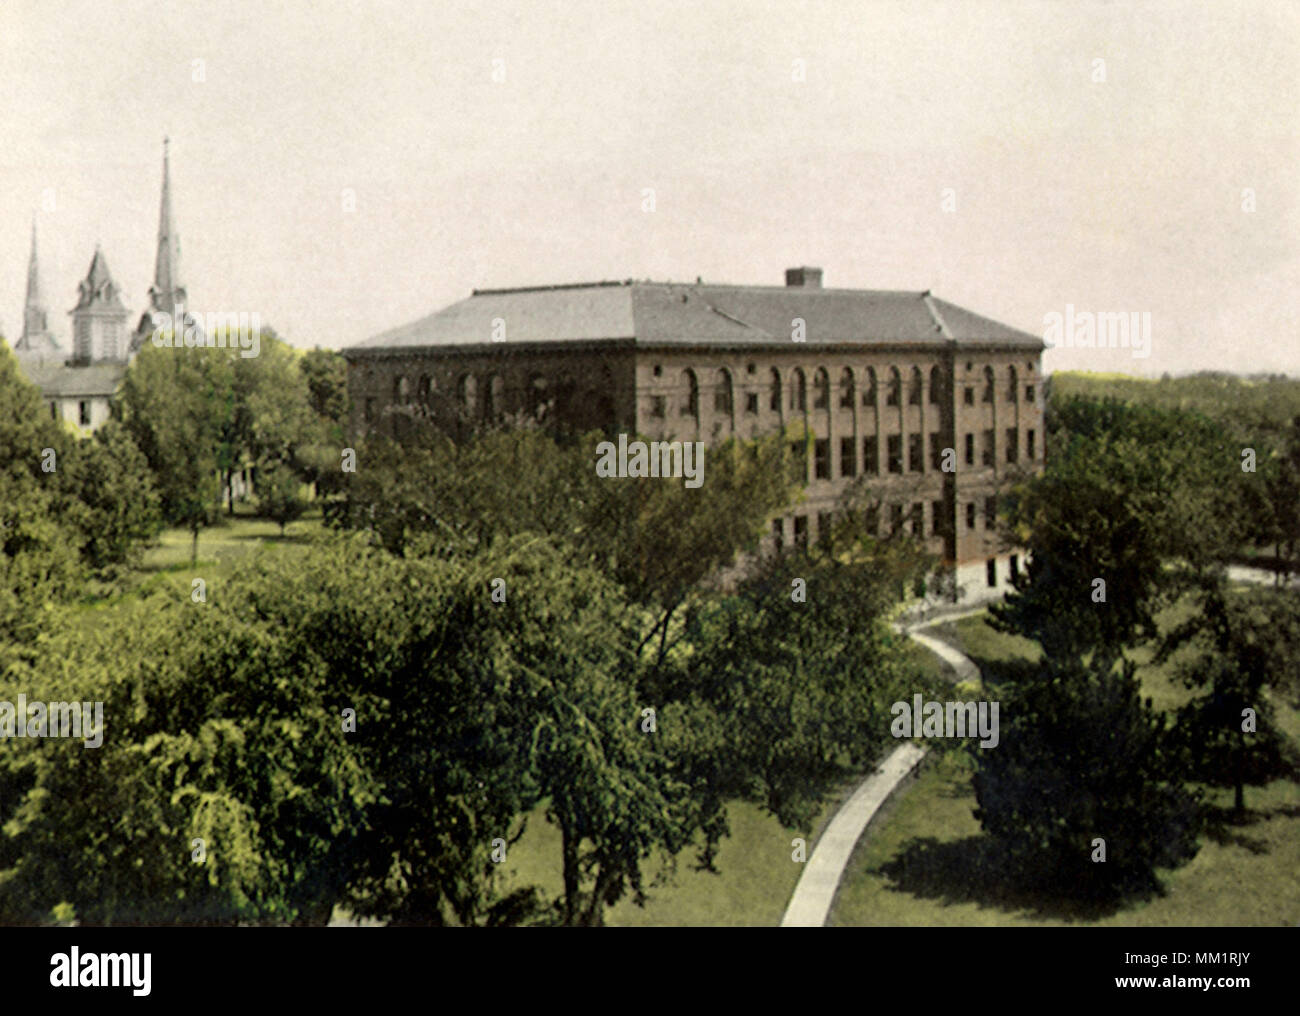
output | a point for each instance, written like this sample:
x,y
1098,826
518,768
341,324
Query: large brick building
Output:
x,y
879,382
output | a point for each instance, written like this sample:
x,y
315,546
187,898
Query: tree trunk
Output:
x,y
595,917
194,546
571,882
1239,788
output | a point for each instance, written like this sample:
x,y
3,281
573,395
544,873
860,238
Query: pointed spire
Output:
x,y
36,336
166,295
34,274
167,268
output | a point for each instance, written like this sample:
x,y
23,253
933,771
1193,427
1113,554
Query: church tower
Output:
x,y
36,342
166,295
99,319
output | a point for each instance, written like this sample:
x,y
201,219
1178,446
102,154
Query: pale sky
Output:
x,y
1122,194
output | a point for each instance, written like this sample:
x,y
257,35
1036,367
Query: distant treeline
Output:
x,y
1246,405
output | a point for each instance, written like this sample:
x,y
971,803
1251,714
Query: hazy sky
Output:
x,y
1122,194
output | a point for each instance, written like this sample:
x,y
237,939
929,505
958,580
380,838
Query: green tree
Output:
x,y
1082,758
790,677
112,479
1245,644
177,405
1135,496
41,521
277,488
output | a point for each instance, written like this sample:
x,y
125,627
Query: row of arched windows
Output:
x,y
896,389
473,396
845,391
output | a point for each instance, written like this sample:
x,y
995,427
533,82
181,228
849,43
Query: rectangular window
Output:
x,y
915,453
895,519
822,458
991,570
990,512
918,519
1029,445
970,515
968,396
936,452
778,534
823,526
848,457
895,453
988,448
751,403
54,410
1029,394
1015,565
83,411
870,456
658,406
938,524
970,449
1013,444
801,532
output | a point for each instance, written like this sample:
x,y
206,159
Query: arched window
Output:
x,y
722,399
1013,388
988,385
467,391
914,388
424,388
539,395
846,388
691,404
936,386
821,389
799,391
774,402
872,393
494,397
401,390
895,389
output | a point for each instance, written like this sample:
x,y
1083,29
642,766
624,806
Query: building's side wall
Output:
x,y
68,409
901,407
578,390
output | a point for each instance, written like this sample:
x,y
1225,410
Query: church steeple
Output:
x,y
167,268
98,318
36,339
166,295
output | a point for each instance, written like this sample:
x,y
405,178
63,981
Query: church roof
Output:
x,y
57,379
677,314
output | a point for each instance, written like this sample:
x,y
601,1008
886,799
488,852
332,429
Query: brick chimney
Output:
x,y
805,278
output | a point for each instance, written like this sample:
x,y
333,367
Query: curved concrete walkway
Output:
x,y
810,904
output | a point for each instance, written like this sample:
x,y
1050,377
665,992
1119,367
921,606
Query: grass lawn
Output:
x,y
927,863
755,877
222,545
